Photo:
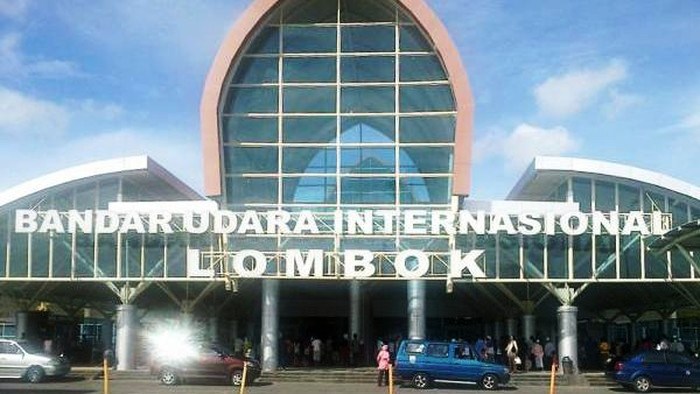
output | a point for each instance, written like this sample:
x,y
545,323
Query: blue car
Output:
x,y
652,368
424,362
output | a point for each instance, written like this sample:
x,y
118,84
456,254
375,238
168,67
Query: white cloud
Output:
x,y
21,114
572,92
620,102
14,9
518,148
15,64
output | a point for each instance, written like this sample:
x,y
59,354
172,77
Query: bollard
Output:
x,y
105,376
552,377
245,372
391,379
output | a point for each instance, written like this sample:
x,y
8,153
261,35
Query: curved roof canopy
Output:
x,y
253,18
142,169
546,173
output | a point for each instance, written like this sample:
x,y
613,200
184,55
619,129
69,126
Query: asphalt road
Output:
x,y
81,386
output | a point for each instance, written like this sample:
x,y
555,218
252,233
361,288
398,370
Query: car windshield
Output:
x,y
31,348
221,351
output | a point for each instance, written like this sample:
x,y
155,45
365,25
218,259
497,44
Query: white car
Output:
x,y
19,359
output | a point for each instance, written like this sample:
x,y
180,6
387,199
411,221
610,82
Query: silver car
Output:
x,y
19,359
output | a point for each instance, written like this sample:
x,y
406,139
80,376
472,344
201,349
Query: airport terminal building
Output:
x,y
337,144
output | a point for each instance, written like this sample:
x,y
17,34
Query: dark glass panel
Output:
x,y
628,198
426,98
309,99
40,255
367,160
425,160
154,255
19,254
84,255
309,190
353,11
308,160
368,190
320,129
557,264
368,38
583,253
249,129
413,40
604,196
655,266
509,257
311,11
107,255
85,196
582,193
4,234
605,256
630,256
176,255
243,160
62,255
108,192
131,256
367,99
694,213
254,70
367,69
421,68
241,190
679,210
421,190
654,202
309,39
415,129
367,129
267,41
487,242
251,100
309,69
533,250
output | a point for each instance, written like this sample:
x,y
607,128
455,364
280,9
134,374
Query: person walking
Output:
x,y
383,358
538,354
512,353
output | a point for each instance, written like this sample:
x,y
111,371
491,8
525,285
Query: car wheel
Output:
x,y
236,377
489,382
421,380
34,375
642,384
168,376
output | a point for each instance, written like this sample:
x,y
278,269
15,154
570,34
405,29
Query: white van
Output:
x,y
19,359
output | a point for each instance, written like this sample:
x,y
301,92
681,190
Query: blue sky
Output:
x,y
82,80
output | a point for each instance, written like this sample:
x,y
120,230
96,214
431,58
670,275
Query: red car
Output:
x,y
204,362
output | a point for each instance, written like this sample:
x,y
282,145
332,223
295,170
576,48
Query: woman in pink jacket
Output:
x,y
383,358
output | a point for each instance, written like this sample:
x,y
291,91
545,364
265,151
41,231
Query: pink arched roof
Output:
x,y
234,44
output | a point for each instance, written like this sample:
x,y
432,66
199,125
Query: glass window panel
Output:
x,y
605,256
311,11
62,255
320,129
368,190
421,68
583,253
4,233
176,255
252,70
367,99
425,244
309,69
533,250
426,98
582,193
251,100
131,256
107,255
557,264
63,201
680,267
421,190
84,257
413,40
308,160
367,129
309,190
695,213
679,210
604,196
154,255
309,39
425,160
242,160
368,38
306,243
108,192
487,242
367,11
266,42
85,196
249,129
374,244
367,160
19,254
654,202
367,69
40,255
309,99
630,256
251,190
509,256
628,198
414,129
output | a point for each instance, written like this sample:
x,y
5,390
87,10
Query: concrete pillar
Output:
x,y
512,327
528,326
270,324
666,327
355,323
214,328
126,337
416,309
22,325
107,333
568,340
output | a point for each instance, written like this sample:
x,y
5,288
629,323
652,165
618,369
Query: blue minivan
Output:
x,y
423,362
